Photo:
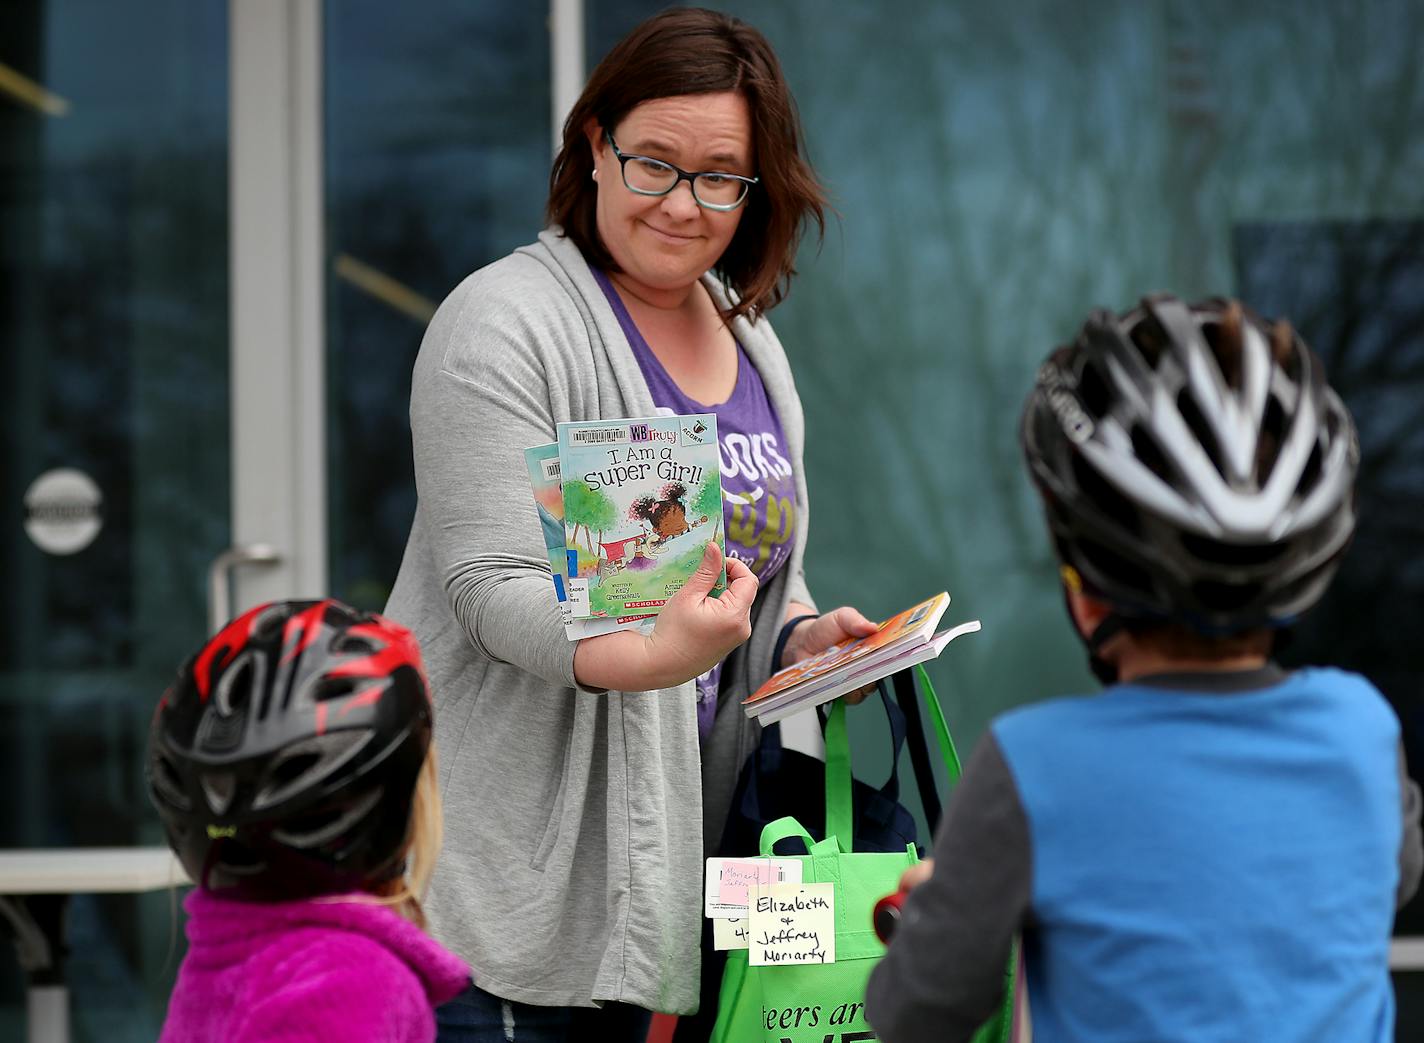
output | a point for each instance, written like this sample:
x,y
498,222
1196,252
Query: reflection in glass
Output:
x,y
113,362
437,162
1355,290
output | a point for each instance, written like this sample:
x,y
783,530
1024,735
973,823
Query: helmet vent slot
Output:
x,y
234,689
329,827
349,642
1151,340
1242,555
293,768
309,765
1093,391
1147,451
1196,422
268,626
1104,496
336,687
1283,349
315,824
1268,443
1224,340
1310,475
168,784
1115,566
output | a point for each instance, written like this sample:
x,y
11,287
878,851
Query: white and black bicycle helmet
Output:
x,y
1195,466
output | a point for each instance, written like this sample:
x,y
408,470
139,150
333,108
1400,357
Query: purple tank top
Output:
x,y
758,489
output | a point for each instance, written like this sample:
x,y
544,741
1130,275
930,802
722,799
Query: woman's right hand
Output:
x,y
694,633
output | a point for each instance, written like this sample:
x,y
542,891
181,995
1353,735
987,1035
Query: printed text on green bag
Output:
x,y
816,1015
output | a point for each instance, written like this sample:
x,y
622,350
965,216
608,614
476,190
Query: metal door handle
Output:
x,y
220,578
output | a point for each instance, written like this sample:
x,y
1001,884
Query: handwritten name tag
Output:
x,y
729,932
729,878
792,923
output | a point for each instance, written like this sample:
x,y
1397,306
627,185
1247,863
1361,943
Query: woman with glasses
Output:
x,y
586,780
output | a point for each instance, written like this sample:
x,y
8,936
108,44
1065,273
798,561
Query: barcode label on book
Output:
x,y
550,469
598,436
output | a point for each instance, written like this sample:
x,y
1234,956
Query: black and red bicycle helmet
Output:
x,y
284,759
1195,466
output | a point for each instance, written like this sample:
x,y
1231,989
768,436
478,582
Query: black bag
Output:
x,y
777,782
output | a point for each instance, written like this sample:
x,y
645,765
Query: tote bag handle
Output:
x,y
838,774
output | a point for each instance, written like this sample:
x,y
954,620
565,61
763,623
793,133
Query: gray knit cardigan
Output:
x,y
575,821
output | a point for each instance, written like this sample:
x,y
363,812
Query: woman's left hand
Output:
x,y
819,634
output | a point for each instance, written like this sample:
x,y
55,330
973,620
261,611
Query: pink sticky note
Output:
x,y
738,876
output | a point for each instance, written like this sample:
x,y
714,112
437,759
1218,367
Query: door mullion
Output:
x,y
277,297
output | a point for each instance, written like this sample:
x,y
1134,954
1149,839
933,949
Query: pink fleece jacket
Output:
x,y
295,972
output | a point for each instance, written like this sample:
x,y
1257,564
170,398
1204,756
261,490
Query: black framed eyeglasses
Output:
x,y
712,189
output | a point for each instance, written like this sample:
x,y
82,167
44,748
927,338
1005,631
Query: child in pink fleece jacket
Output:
x,y
291,764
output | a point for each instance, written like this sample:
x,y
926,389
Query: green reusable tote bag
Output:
x,y
825,1003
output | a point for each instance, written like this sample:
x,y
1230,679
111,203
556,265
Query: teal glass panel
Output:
x,y
998,175
437,158
113,364
998,171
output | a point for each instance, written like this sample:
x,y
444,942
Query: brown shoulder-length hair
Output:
x,y
690,50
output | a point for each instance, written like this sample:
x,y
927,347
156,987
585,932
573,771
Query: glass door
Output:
x,y
114,465
437,138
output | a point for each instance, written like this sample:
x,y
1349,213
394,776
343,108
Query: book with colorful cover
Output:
x,y
543,464
856,674
853,663
642,499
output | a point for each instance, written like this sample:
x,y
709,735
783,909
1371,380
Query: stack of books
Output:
x,y
627,509
900,642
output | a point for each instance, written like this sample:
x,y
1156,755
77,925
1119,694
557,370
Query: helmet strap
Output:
x,y
1109,628
1112,625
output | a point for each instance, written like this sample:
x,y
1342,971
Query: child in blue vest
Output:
x,y
1213,848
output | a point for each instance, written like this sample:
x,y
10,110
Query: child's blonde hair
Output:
x,y
422,845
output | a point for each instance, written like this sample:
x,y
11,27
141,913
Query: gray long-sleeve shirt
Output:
x,y
575,821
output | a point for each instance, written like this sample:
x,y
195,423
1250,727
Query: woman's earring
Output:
x,y
595,173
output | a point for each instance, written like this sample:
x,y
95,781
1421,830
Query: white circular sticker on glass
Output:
x,y
63,511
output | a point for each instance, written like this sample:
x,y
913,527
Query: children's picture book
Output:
x,y
857,675
900,641
543,464
642,499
